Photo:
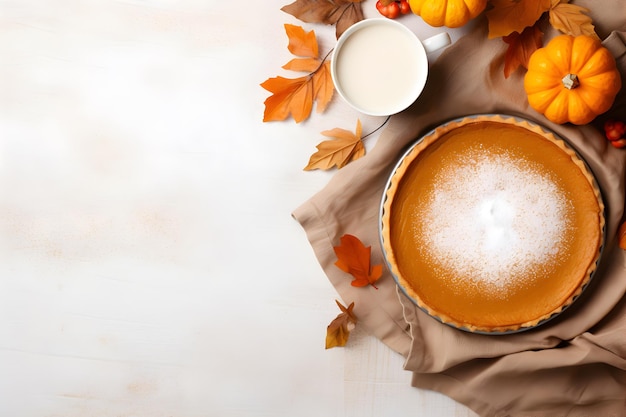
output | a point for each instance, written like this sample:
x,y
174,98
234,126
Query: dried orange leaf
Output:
x,y
572,20
341,13
301,43
338,331
508,16
302,64
344,148
354,258
521,47
295,96
323,87
291,96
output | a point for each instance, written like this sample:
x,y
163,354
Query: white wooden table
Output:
x,y
149,266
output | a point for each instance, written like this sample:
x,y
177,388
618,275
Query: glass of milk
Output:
x,y
380,66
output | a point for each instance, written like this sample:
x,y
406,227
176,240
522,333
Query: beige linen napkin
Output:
x,y
573,366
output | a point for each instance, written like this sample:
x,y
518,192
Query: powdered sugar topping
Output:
x,y
494,217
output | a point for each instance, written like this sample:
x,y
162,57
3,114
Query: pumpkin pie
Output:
x,y
492,224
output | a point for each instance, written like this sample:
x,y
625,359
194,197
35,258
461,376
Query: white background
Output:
x,y
149,265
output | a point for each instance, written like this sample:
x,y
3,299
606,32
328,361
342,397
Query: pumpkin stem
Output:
x,y
570,81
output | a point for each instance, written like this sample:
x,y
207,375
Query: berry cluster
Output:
x,y
393,9
615,132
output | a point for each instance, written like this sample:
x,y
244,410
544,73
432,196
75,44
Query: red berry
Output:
x,y
619,143
614,129
393,10
405,8
612,134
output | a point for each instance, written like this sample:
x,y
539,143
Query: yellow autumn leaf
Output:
x,y
572,20
339,151
508,16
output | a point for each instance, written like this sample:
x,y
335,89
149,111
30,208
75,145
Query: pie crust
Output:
x,y
492,224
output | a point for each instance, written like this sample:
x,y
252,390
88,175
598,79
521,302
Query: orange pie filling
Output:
x,y
492,225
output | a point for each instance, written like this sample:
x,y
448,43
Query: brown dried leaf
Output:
x,y
338,331
344,148
341,13
351,13
572,20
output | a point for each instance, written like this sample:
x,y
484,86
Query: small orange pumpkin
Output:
x,y
450,13
572,79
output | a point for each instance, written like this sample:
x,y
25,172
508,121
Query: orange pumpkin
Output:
x,y
572,79
450,13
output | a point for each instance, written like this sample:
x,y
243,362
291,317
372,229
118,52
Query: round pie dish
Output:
x,y
492,224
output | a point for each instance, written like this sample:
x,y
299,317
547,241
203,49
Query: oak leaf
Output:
x,y
571,19
338,331
521,47
354,258
508,16
341,13
344,148
295,96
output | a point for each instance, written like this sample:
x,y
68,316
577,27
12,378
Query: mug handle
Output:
x,y
436,42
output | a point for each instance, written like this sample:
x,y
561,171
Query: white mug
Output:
x,y
380,66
